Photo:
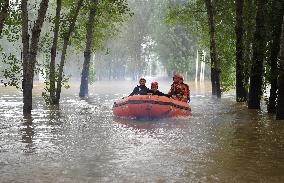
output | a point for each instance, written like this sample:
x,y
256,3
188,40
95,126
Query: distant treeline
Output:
x,y
116,39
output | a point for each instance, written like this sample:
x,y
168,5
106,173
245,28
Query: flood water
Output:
x,y
81,141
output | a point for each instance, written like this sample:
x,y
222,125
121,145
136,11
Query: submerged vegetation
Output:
x,y
239,40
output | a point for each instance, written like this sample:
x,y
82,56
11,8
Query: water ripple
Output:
x,y
81,141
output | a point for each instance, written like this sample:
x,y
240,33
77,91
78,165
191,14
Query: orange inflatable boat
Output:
x,y
150,106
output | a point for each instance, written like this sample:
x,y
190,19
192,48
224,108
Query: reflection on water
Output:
x,y
152,125
28,134
81,141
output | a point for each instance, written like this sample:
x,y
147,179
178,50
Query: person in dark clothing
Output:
x,y
140,89
154,90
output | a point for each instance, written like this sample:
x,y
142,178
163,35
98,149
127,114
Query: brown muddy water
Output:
x,y
81,140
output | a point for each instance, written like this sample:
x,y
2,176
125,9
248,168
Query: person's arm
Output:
x,y
150,91
135,90
188,96
167,95
171,89
163,94
187,92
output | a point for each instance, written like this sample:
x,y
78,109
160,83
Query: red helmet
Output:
x,y
154,83
176,76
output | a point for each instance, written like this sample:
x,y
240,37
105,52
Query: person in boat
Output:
x,y
185,91
175,90
140,89
154,90
178,90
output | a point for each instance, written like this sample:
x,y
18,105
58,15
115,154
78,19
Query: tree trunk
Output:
x,y
27,96
64,49
277,16
213,83
3,13
249,29
241,92
53,52
255,88
30,51
212,77
280,97
88,50
215,67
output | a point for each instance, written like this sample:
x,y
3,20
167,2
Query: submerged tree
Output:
x,y
280,94
215,66
194,15
105,18
66,39
241,92
52,77
30,49
249,14
88,50
277,16
256,77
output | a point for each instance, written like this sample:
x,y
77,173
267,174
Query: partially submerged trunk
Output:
x,y
53,52
213,83
256,77
3,14
88,50
275,47
26,82
241,92
280,97
64,50
30,51
215,66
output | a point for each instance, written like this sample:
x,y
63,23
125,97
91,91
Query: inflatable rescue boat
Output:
x,y
150,106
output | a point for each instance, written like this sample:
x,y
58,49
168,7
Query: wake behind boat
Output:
x,y
150,106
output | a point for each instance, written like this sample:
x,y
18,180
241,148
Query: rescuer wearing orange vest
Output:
x,y
179,90
185,90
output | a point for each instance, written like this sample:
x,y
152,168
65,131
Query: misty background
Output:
x,y
144,45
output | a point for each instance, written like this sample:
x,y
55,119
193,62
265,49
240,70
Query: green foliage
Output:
x,y
13,70
10,64
145,40
109,17
12,28
193,16
176,49
176,43
125,52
